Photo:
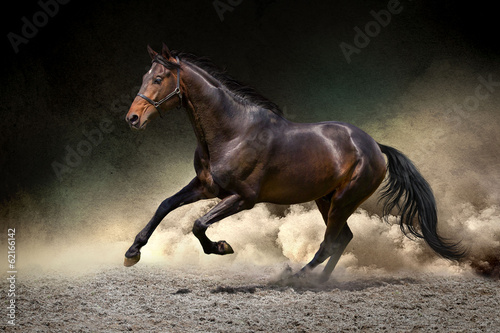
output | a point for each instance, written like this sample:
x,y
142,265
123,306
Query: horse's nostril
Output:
x,y
133,119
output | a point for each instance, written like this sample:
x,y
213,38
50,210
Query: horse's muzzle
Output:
x,y
133,120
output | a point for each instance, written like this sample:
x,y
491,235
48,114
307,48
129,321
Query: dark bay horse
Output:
x,y
249,153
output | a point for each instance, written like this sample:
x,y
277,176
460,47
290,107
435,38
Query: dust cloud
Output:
x,y
78,228
260,238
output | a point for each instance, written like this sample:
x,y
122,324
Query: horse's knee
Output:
x,y
164,207
165,204
199,227
325,250
346,236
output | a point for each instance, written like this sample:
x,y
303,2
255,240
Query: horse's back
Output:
x,y
344,139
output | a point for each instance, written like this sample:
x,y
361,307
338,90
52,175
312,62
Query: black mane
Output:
x,y
245,92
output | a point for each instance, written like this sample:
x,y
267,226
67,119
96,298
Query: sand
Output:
x,y
158,298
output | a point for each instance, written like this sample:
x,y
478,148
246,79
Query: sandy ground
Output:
x,y
155,298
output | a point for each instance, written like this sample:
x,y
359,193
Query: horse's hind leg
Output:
x,y
337,236
324,205
341,243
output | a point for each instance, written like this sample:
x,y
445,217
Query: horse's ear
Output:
x,y
165,52
152,52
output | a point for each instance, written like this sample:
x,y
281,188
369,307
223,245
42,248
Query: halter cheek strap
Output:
x,y
177,91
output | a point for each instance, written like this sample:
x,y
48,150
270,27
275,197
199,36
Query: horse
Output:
x,y
248,152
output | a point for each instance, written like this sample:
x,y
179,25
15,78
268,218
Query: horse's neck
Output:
x,y
215,115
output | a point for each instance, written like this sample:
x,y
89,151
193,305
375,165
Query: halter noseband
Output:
x,y
177,90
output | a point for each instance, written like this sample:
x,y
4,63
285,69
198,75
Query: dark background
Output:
x,y
85,65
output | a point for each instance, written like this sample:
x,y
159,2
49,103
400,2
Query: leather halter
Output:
x,y
177,90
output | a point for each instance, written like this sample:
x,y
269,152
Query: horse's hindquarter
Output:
x,y
309,161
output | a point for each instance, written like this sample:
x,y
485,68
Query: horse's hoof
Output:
x,y
224,248
127,262
323,278
301,275
287,273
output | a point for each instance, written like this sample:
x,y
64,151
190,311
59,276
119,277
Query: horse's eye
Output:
x,y
157,80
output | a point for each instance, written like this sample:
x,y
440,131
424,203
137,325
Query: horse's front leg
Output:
x,y
192,192
228,206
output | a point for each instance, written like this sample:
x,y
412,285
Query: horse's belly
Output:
x,y
292,194
301,180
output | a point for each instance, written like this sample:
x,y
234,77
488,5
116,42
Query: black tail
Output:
x,y
407,184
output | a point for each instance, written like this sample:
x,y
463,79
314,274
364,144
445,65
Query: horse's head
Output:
x,y
160,90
